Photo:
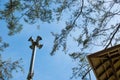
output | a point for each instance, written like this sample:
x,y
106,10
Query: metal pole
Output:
x,y
34,45
31,73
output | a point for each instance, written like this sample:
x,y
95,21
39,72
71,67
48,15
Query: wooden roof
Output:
x,y
106,63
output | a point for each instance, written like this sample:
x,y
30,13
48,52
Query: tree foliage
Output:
x,y
7,67
3,44
96,22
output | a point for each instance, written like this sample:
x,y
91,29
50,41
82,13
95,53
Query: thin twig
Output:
x,y
86,73
81,9
112,36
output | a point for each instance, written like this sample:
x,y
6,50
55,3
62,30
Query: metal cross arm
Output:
x,y
34,45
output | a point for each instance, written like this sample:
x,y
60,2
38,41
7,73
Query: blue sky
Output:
x,y
47,67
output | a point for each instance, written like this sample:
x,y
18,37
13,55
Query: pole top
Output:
x,y
35,43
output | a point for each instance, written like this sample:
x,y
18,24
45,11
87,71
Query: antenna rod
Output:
x,y
34,45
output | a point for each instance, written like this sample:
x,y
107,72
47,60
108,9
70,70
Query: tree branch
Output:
x,y
112,36
89,69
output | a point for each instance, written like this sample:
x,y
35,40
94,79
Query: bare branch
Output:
x,y
114,32
89,69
